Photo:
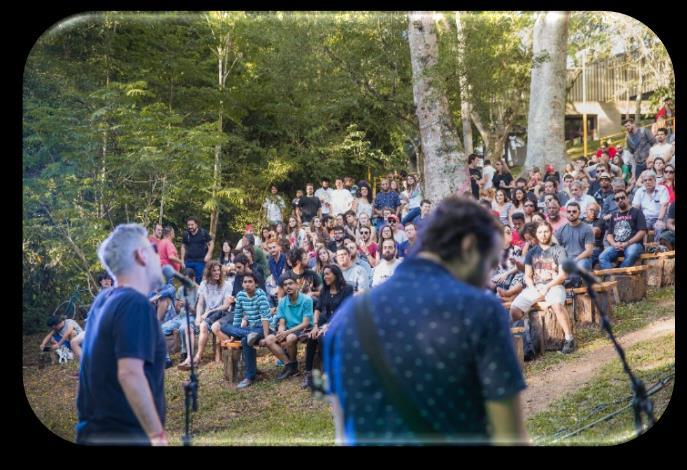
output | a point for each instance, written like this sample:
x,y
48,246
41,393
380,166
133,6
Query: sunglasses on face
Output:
x,y
529,205
668,171
364,232
620,198
573,211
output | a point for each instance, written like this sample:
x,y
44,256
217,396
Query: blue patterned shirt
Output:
x,y
387,199
448,343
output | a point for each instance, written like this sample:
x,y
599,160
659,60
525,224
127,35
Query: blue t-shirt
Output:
x,y
448,343
122,324
294,313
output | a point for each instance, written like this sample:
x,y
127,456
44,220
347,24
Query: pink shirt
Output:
x,y
165,249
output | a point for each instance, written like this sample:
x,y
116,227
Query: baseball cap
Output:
x,y
549,168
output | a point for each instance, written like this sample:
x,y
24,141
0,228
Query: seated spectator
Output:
x,y
518,223
653,201
406,247
605,190
183,297
551,188
608,207
579,196
577,238
669,182
338,241
334,291
367,247
387,265
507,280
667,237
354,275
553,214
359,258
544,278
502,206
530,210
625,234
63,334
250,325
598,226
214,301
385,234
308,281
399,233
659,168
661,149
294,316
163,299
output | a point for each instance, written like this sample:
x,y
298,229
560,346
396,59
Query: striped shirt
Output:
x,y
255,308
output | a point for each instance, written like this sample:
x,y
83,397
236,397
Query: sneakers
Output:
x,y
252,338
568,347
289,369
307,380
279,363
245,383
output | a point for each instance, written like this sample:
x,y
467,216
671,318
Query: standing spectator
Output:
x,y
653,201
385,198
475,174
662,149
412,198
502,178
334,291
296,201
167,250
341,198
625,234
607,149
638,142
196,247
309,206
274,205
665,113
324,194
156,234
387,265
488,172
352,188
577,238
354,275
628,162
294,316
363,203
544,278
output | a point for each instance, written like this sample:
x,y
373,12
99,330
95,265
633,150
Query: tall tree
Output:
x,y
445,169
465,101
545,124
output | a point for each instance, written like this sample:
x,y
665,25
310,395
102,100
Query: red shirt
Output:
x,y
671,192
517,241
154,241
372,249
165,249
611,152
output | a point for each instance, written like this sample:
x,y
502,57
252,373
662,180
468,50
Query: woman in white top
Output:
x,y
363,203
501,205
412,197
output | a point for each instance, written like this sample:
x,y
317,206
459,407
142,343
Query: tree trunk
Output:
x,y
445,165
638,98
465,103
546,120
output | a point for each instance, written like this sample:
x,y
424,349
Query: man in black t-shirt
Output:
x,y
121,398
309,206
475,174
308,280
625,234
196,248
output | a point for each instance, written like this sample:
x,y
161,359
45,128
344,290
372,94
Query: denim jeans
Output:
x,y
585,264
410,216
249,356
595,255
198,268
631,254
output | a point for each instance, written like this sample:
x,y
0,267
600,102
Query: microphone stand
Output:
x,y
641,403
191,385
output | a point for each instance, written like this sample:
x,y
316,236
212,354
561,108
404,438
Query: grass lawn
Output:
x,y
271,413
659,303
610,390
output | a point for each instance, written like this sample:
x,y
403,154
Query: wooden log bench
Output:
x,y
232,356
631,282
544,329
585,312
519,344
661,271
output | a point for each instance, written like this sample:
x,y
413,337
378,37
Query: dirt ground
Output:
x,y
546,386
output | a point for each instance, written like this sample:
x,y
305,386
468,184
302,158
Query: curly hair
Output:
x,y
452,220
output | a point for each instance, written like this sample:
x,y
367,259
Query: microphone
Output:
x,y
571,267
168,272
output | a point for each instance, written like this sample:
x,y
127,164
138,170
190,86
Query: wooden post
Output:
x,y
668,278
233,363
519,344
